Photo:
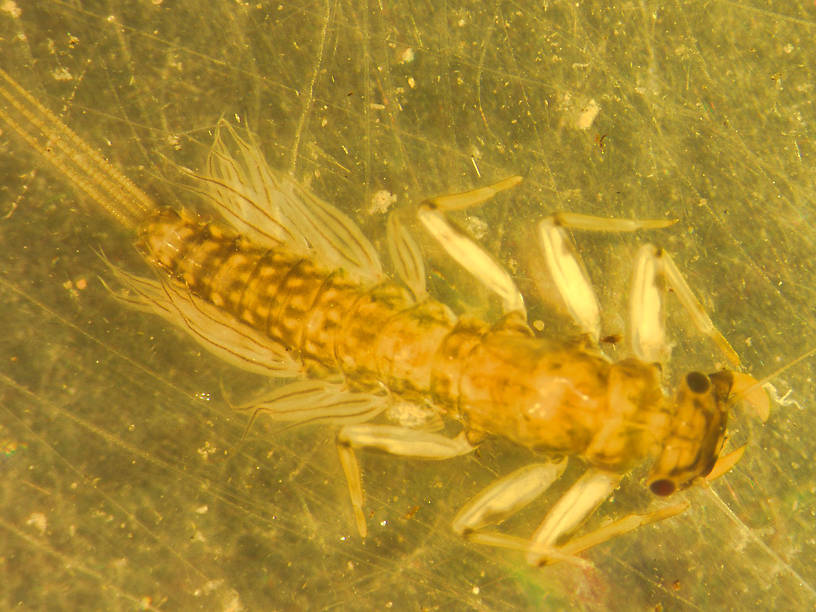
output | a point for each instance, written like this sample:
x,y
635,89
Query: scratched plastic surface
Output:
x,y
125,481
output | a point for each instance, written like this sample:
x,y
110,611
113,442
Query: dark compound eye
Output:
x,y
663,487
698,382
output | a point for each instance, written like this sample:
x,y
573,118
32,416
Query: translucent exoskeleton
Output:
x,y
288,286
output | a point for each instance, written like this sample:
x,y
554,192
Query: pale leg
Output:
x,y
393,440
549,544
566,268
506,496
654,269
463,249
568,273
591,494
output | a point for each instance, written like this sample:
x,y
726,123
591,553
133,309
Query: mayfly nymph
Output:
x,y
288,286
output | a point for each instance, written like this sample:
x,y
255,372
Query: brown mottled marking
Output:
x,y
322,324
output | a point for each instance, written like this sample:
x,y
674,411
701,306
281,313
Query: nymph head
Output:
x,y
696,432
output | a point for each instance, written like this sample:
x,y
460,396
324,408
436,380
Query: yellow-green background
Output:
x,y
122,485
